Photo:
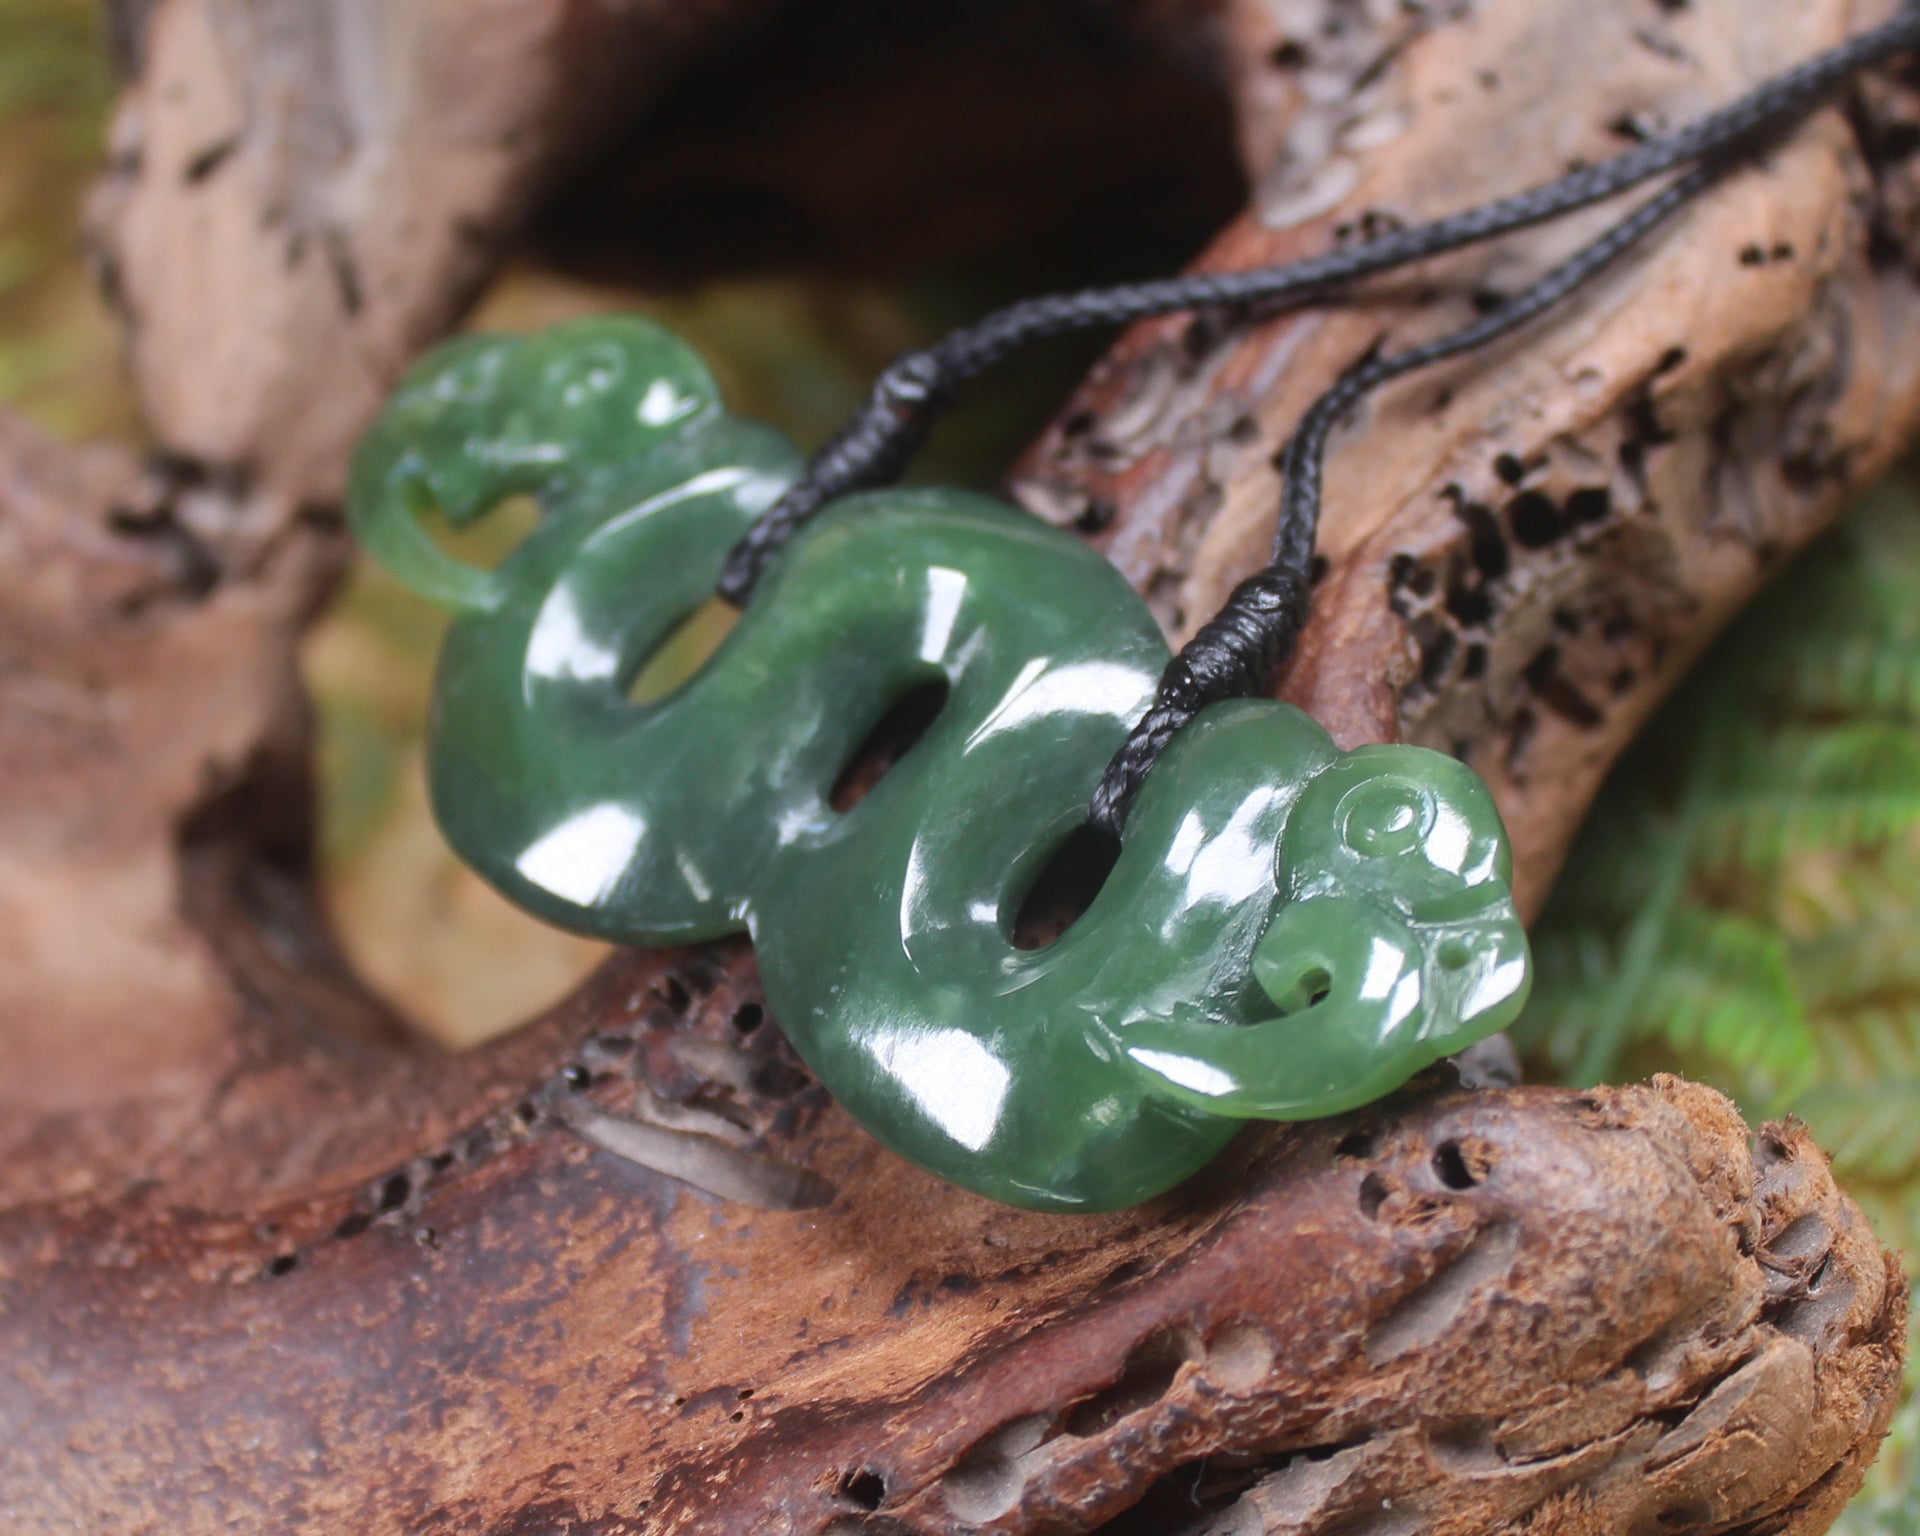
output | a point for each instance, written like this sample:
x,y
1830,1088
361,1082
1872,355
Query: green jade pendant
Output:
x,y
1290,930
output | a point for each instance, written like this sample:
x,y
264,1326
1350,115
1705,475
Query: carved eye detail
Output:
x,y
1385,817
469,380
582,378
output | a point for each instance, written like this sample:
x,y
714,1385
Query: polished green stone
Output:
x,y
1289,930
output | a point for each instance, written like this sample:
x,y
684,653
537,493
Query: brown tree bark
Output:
x,y
266,1266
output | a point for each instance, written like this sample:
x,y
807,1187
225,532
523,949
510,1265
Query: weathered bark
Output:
x,y
343,176
264,1268
1526,548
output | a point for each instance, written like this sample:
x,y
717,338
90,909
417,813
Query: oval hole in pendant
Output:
x,y
1309,990
907,719
1064,888
487,537
1309,986
686,648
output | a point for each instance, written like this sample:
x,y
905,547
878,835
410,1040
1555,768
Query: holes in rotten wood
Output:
x,y
1463,1163
1374,1191
1210,1494
1486,543
1239,1358
1118,1276
1557,692
1409,574
386,1200
864,1489
1437,655
987,1481
1147,1376
1097,516
1467,598
1535,520
1356,1144
1435,1307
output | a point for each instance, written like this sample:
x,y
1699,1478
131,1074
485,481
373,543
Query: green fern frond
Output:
x,y
1728,995
1718,994
1854,966
1804,788
1871,1129
1616,876
1744,904
1872,670
1872,1042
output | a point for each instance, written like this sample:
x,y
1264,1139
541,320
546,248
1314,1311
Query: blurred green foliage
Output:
x,y
1743,904
50,56
58,352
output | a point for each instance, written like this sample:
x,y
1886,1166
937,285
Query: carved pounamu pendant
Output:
x,y
1289,931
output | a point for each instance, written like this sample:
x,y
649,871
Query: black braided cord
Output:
x,y
874,447
1236,652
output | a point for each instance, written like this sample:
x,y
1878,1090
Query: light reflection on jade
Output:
x,y
1290,930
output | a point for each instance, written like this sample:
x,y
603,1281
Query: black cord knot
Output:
x,y
1234,654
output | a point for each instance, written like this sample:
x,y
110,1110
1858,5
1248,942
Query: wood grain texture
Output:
x,y
264,1266
1528,546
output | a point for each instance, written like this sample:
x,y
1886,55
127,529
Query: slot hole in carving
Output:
x,y
485,538
1308,989
684,650
1064,888
907,719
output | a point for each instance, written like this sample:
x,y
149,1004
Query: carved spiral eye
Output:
x,y
1385,817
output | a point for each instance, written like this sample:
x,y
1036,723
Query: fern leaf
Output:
x,y
1805,789
1872,1129
1875,961
1718,997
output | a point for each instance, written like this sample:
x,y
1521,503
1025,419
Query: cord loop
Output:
x,y
1237,652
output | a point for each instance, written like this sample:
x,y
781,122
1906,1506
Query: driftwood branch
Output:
x,y
263,1266
1525,548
